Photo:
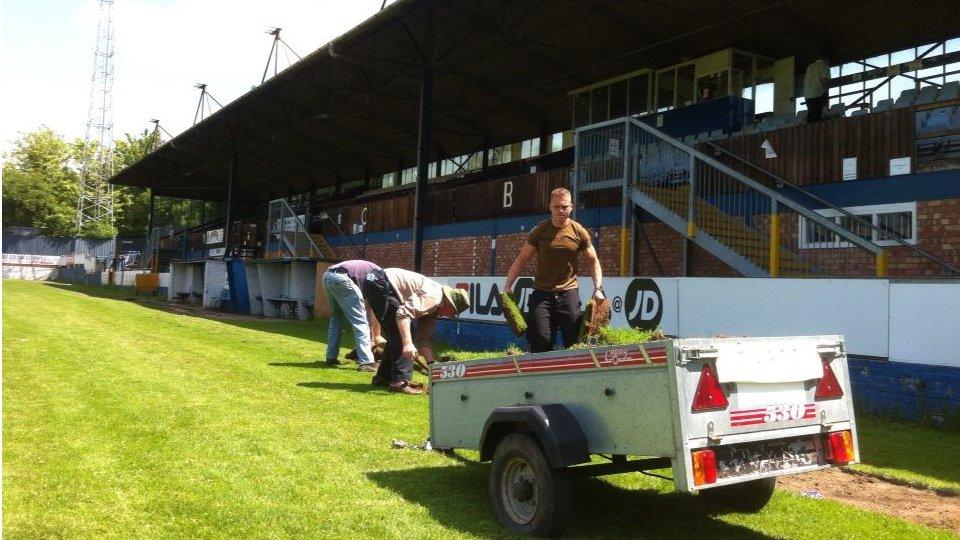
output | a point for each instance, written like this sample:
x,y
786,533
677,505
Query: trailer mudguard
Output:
x,y
555,427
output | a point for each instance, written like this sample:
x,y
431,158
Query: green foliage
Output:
x,y
39,186
132,204
41,177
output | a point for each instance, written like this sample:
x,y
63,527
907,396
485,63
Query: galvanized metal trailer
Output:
x,y
728,415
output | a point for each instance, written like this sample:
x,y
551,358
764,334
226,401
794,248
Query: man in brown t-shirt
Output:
x,y
555,302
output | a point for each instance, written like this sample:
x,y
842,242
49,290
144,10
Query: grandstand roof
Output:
x,y
502,70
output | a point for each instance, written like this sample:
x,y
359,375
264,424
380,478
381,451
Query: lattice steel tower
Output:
x,y
95,202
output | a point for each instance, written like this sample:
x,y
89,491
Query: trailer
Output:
x,y
727,415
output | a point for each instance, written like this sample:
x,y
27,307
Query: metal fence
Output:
x,y
287,236
57,245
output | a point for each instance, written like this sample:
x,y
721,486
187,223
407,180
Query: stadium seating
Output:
x,y
883,105
928,94
951,90
906,98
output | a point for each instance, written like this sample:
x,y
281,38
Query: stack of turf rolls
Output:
x,y
512,313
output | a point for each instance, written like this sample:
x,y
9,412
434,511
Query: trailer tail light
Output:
x,y
841,447
704,467
828,387
709,395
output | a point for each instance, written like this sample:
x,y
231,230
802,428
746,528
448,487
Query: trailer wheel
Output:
x,y
743,497
527,495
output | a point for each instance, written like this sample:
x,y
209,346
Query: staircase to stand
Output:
x,y
744,223
748,248
323,247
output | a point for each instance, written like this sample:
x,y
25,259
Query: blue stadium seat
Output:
x,y
802,116
860,112
883,105
906,98
951,90
928,94
716,134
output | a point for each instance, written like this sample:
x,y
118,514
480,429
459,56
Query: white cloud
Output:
x,y
162,50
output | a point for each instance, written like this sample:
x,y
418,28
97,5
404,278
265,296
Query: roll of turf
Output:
x,y
512,313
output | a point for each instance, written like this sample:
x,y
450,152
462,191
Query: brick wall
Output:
x,y
659,250
938,233
394,254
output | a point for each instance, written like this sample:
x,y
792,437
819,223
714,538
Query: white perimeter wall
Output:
x,y
30,273
925,323
903,321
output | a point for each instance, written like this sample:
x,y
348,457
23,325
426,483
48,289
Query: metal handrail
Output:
x,y
345,237
749,182
299,222
780,180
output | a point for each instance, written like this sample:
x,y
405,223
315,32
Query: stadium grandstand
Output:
x,y
680,127
430,136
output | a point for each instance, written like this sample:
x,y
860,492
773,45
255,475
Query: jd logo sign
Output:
x,y
644,304
522,288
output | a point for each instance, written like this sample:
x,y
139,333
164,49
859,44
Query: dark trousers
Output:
x,y
383,301
551,313
815,106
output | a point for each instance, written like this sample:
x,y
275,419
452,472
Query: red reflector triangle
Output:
x,y
828,387
709,394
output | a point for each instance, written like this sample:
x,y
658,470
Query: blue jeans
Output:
x,y
346,303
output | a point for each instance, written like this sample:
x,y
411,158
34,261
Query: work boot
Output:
x,y
333,362
372,366
403,387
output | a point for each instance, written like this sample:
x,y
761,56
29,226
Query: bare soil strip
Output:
x,y
922,506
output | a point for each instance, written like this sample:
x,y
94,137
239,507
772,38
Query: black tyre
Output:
x,y
743,497
527,495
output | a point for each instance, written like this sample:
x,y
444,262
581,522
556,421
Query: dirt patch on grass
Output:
x,y
870,493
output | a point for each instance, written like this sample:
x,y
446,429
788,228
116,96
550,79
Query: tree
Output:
x,y
41,183
39,186
132,204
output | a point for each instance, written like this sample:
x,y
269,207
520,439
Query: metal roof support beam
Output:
x,y
153,201
231,196
423,162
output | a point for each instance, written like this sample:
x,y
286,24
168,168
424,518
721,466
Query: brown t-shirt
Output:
x,y
557,251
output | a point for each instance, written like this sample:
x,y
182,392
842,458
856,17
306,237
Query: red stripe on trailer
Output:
x,y
563,363
563,367
505,371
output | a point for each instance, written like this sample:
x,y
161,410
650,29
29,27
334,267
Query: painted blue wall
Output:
x,y
906,391
477,336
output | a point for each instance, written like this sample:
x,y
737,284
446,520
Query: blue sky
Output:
x,y
163,48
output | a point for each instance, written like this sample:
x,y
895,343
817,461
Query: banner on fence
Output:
x,y
647,303
31,260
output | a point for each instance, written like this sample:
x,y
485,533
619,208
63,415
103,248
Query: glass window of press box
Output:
x,y
729,72
615,98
